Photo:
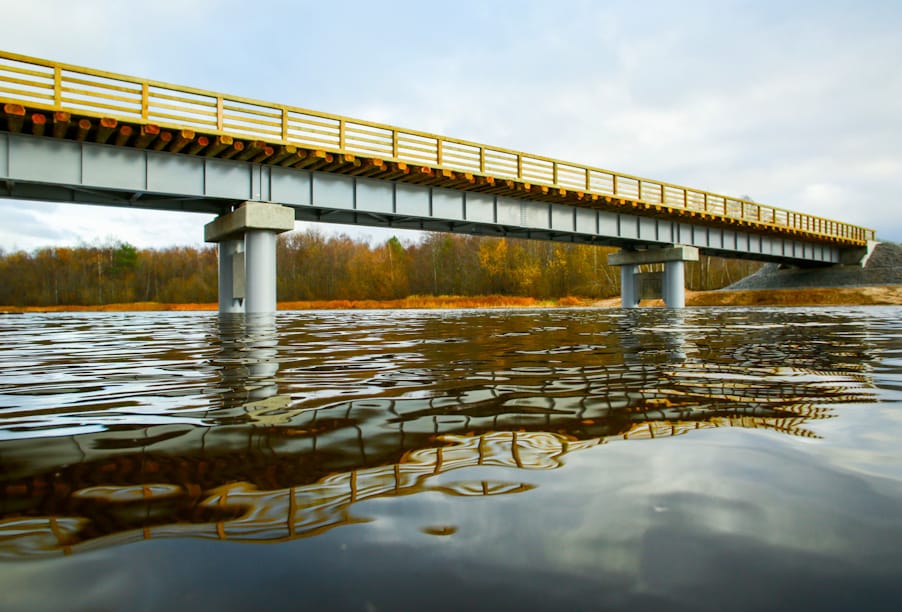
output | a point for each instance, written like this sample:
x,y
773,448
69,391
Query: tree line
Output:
x,y
316,266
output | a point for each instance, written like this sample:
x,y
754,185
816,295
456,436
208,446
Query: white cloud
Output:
x,y
765,99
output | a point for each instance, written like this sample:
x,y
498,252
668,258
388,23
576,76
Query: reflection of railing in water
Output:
x,y
275,469
241,511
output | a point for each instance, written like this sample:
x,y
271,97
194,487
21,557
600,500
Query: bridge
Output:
x,y
74,134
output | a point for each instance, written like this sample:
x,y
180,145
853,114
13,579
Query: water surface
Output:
x,y
528,459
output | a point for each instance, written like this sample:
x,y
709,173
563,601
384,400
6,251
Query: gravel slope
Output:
x,y
884,267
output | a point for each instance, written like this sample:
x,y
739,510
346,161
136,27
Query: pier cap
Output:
x,y
250,216
652,256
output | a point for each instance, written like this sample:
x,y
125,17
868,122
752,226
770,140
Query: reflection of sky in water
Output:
x,y
405,432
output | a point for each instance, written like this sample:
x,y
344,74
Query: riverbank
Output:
x,y
422,302
840,296
834,296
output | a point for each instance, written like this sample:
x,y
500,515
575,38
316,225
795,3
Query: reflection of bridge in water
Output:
x,y
282,473
278,459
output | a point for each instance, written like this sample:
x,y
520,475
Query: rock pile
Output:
x,y
884,267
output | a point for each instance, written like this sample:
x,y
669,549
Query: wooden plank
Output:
x,y
205,100
101,84
38,123
315,158
199,144
162,140
283,152
61,123
294,158
230,152
181,140
27,95
146,135
17,70
125,132
251,149
15,117
265,154
104,129
220,143
82,128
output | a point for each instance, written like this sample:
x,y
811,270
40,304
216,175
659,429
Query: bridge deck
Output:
x,y
58,100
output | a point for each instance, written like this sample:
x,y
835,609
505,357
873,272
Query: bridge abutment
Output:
x,y
247,255
674,279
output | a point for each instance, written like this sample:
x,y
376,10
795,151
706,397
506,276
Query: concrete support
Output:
x,y
260,267
247,255
673,258
674,284
629,286
231,276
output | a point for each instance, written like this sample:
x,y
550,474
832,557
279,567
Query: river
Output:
x,y
703,459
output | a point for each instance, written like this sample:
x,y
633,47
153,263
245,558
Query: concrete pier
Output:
x,y
247,255
629,286
674,285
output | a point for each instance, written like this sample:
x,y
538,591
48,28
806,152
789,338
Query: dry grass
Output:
x,y
126,307
416,301
843,296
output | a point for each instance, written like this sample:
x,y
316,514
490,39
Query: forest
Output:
x,y
316,266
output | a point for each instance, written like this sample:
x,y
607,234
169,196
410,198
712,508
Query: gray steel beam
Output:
x,y
65,171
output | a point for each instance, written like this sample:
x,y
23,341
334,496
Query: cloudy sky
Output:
x,y
796,104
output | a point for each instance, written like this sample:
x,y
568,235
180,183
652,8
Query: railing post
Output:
x,y
482,160
438,151
394,144
588,181
614,183
145,101
219,113
520,166
284,124
57,87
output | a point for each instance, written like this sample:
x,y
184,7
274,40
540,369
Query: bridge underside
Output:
x,y
47,169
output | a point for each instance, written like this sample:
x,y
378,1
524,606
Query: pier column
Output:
x,y
260,266
629,286
231,276
247,255
674,284
673,258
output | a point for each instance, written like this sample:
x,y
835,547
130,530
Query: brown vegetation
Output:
x,y
318,268
844,296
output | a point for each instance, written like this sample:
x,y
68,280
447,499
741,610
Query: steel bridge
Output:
x,y
74,134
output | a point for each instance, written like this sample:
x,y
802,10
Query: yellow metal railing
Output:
x,y
43,84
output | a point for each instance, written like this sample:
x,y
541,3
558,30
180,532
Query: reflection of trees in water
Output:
x,y
277,468
303,478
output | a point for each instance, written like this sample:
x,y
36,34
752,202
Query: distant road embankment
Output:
x,y
883,268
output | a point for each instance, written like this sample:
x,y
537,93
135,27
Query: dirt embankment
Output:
x,y
838,296
835,296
